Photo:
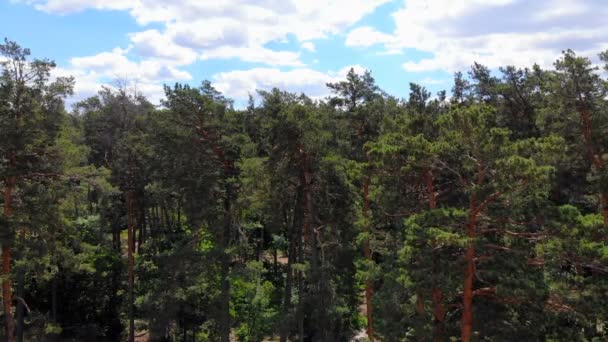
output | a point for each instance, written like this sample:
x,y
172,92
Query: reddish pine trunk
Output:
x,y
369,285
467,311
430,188
291,257
228,166
437,294
6,262
604,203
596,159
131,262
7,294
225,264
467,300
438,313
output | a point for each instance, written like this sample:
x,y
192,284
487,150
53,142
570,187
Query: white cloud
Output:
x,y
73,6
189,30
254,55
152,43
226,29
115,64
91,72
367,36
492,32
308,46
239,84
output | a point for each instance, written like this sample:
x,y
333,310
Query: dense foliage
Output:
x,y
479,215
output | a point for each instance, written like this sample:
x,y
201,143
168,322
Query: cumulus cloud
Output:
x,y
254,55
239,84
492,32
91,72
310,46
73,6
367,36
235,29
116,64
185,31
152,43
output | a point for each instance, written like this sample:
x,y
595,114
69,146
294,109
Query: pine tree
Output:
x,y
30,109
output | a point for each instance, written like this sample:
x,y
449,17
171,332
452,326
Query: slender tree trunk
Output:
x,y
131,261
116,238
7,296
275,263
467,311
594,155
604,204
315,284
308,234
20,307
154,227
142,231
163,217
287,294
225,261
291,256
54,299
89,199
436,294
168,221
7,293
300,311
142,226
229,171
300,279
184,329
367,252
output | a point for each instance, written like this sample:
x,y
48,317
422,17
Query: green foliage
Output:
x,y
277,219
251,305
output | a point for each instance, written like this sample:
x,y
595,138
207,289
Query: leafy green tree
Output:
x,y
31,108
364,104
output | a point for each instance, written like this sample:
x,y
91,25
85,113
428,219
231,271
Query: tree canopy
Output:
x,y
475,215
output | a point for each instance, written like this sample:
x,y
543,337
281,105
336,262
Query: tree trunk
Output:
x,y
300,311
224,236
168,221
367,252
275,263
287,294
467,300
594,155
54,299
467,311
131,261
225,265
308,235
316,331
291,256
116,237
7,296
7,293
142,227
604,203
436,293
20,307
300,277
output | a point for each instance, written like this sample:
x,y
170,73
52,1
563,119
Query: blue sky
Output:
x,y
297,45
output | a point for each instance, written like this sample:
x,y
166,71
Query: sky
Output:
x,y
296,45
